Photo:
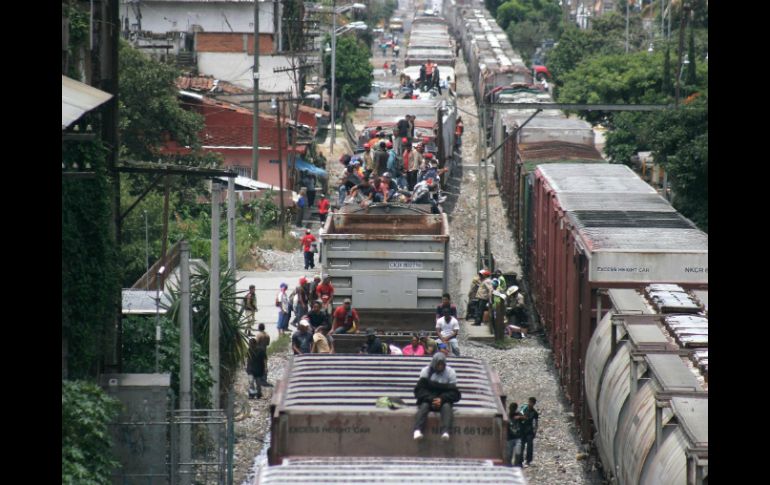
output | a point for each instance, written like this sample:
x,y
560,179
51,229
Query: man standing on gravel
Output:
x,y
483,295
529,429
250,305
306,242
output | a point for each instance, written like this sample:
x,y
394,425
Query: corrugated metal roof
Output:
x,y
693,414
646,239
631,218
77,99
589,179
389,471
629,202
141,302
355,382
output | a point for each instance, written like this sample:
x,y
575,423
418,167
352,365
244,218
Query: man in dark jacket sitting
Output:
x,y
436,391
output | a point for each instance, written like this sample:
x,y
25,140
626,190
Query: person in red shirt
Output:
x,y
323,208
306,242
325,293
345,318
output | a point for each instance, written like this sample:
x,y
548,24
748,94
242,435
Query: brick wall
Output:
x,y
232,42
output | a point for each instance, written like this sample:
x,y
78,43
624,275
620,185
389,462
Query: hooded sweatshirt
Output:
x,y
434,384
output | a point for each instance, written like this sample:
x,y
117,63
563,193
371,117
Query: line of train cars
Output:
x,y
585,228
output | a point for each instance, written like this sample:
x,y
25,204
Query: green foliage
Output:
x,y
232,336
139,355
149,108
679,141
79,25
622,78
353,69
666,86
90,280
86,411
528,23
692,78
493,5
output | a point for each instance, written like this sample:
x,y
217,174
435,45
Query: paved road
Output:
x,y
267,284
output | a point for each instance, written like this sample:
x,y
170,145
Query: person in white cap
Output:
x,y
302,339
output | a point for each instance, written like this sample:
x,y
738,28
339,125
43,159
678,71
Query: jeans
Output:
x,y
255,386
528,445
411,179
454,346
341,330
513,450
309,260
322,217
447,416
343,194
300,216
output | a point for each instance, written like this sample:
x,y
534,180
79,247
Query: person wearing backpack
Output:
x,y
513,448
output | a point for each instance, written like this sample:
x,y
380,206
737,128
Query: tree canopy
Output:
x,y
353,70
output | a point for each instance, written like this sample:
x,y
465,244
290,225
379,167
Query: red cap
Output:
x,y
302,280
367,145
426,139
428,155
485,272
389,144
404,140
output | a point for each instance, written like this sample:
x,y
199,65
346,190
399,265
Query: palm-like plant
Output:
x,y
233,344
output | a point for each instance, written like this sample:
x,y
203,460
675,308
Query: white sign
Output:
x,y
405,265
649,267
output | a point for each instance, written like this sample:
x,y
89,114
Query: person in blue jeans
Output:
x,y
301,204
529,429
513,446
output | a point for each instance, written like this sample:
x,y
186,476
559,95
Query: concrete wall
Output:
x,y
235,67
162,17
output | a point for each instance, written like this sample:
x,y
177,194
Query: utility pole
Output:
x,y
214,295
483,144
682,26
231,224
146,253
185,372
255,75
478,198
280,170
334,76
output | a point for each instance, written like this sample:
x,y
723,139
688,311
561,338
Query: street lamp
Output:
x,y
337,11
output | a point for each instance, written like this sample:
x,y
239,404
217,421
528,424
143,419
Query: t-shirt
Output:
x,y
447,329
321,343
402,128
325,289
514,426
346,318
303,341
318,319
440,310
394,350
323,206
409,350
306,240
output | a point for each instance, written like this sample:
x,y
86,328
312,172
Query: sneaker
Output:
x,y
417,434
445,437
525,465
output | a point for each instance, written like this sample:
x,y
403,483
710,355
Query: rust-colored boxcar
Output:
x,y
325,406
597,227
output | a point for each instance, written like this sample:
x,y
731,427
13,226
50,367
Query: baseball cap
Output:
x,y
428,155
346,300
389,144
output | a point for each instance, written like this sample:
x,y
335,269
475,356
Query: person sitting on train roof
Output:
x,y
302,339
428,344
322,341
373,344
446,302
349,179
316,316
387,188
414,347
436,390
345,318
393,349
447,329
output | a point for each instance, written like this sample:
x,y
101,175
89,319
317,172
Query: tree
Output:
x,y
622,78
86,411
353,70
691,79
666,86
149,106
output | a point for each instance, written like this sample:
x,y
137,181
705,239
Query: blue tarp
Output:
x,y
303,165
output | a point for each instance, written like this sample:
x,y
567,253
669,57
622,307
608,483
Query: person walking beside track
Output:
x,y
513,448
323,209
284,309
529,429
250,306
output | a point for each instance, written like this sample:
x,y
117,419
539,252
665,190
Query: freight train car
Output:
x,y
647,397
388,471
596,227
325,406
429,39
